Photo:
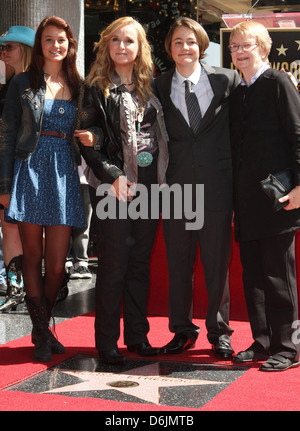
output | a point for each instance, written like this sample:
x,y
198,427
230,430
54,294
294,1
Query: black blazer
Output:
x,y
204,158
265,134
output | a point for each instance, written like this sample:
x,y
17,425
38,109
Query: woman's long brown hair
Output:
x,y
69,68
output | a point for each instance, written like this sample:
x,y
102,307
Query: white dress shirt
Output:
x,y
201,87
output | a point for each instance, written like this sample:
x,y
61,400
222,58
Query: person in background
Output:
x,y
4,77
133,150
3,285
39,181
16,53
77,260
265,136
199,150
7,72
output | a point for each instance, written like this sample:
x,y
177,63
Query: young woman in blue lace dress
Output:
x,y
39,178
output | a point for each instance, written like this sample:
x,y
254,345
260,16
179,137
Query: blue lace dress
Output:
x,y
46,188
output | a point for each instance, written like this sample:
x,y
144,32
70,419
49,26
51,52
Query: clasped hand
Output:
x,y
121,186
86,137
294,199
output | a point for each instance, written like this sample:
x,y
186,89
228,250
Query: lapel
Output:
x,y
165,90
217,84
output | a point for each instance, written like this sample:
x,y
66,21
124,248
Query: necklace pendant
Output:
x,y
140,115
61,110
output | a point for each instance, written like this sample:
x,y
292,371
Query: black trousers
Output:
x,y
125,247
215,251
269,277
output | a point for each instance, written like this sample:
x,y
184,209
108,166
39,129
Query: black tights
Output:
x,y
57,239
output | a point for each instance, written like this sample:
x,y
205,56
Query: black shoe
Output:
x,y
252,354
178,344
80,272
144,349
223,349
113,357
56,346
278,362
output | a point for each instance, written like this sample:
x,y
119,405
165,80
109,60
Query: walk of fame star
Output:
x,y
142,381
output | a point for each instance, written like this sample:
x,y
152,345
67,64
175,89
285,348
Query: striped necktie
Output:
x,y
193,107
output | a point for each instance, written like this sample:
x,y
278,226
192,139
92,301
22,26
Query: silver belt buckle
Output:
x,y
144,159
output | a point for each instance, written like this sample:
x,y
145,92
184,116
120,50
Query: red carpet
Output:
x,y
253,391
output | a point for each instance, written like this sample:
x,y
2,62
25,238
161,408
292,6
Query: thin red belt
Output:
x,y
55,134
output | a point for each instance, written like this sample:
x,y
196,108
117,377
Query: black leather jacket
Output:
x,y
20,127
106,159
102,116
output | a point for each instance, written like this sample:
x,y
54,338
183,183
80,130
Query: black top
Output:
x,y
265,138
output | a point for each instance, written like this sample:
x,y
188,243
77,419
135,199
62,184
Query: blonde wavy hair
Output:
x,y
26,54
103,66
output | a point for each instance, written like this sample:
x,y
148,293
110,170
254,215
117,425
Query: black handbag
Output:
x,y
278,185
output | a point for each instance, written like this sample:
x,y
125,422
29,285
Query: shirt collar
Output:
x,y
194,77
264,66
116,80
